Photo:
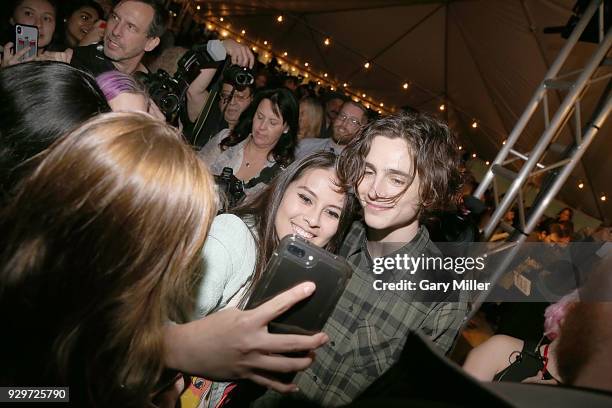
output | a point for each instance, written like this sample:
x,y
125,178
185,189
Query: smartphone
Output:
x,y
294,261
26,36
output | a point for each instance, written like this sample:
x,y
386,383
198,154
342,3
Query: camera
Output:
x,y
297,251
168,92
230,187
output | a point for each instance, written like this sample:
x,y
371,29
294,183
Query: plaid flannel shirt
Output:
x,y
368,328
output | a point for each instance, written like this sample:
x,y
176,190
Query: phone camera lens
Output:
x,y
299,252
18,30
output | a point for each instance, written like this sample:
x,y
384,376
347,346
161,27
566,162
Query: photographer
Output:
x,y
134,28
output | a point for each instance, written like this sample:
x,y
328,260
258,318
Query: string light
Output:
x,y
581,185
487,162
279,19
603,197
289,68
405,86
367,106
473,155
442,107
379,112
460,147
198,7
504,142
474,124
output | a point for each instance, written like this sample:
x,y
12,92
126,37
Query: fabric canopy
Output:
x,y
482,60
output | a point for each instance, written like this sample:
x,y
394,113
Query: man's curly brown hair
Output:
x,y
435,157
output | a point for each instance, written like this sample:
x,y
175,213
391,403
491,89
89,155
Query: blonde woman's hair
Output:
x,y
99,249
315,118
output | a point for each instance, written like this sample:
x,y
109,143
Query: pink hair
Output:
x,y
555,313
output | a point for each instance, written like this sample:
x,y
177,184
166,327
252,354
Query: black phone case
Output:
x,y
296,261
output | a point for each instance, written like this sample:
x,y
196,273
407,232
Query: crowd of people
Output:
x,y
126,262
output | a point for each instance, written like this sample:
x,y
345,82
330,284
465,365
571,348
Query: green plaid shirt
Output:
x,y
368,328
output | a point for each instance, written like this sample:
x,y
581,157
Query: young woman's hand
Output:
x,y
10,57
235,344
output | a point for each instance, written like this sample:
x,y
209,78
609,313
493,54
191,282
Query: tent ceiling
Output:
x,y
482,58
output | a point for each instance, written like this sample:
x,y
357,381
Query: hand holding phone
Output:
x,y
293,262
10,57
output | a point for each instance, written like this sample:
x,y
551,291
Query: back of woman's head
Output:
x,y
39,102
113,83
285,106
313,123
99,248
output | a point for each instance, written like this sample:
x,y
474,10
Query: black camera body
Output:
x,y
168,92
230,187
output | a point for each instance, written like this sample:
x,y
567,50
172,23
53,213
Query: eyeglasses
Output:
x,y
225,97
352,121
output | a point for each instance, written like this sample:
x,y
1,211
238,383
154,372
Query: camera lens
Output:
x,y
299,252
18,30
169,104
244,79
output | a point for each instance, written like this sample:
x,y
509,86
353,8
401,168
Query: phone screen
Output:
x,y
26,36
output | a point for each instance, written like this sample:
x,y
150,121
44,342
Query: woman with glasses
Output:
x,y
262,143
